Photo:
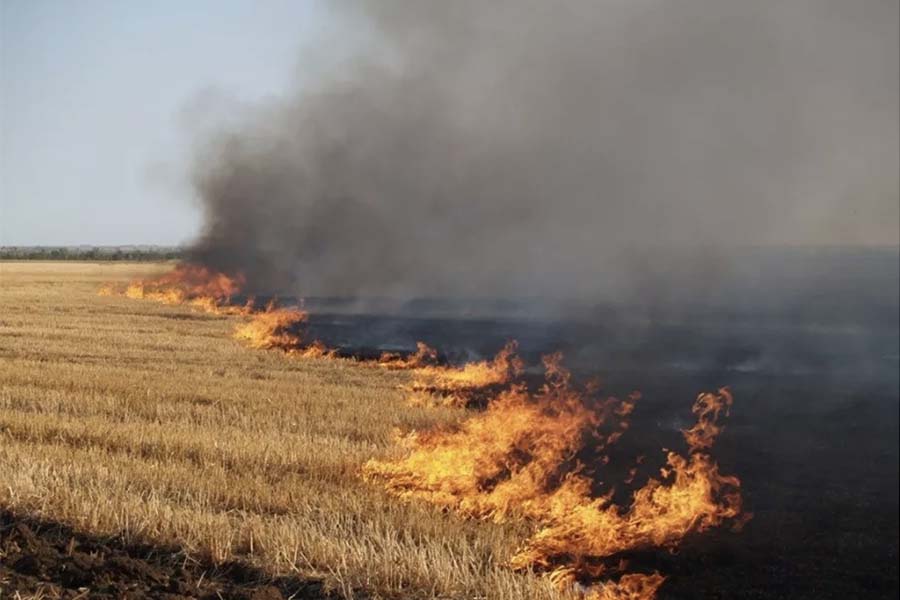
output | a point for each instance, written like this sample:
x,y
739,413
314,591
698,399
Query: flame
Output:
x,y
280,328
212,291
424,356
707,409
203,288
274,327
534,456
632,586
454,385
520,459
466,385
314,349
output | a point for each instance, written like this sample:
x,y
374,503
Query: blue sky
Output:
x,y
99,98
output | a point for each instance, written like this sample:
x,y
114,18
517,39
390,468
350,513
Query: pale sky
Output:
x,y
96,99
103,102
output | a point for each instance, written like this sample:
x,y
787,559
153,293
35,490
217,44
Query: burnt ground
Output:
x,y
813,434
818,463
50,561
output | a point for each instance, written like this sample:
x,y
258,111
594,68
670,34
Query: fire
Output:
x,y
424,356
632,586
707,408
466,385
538,456
314,349
212,291
203,288
273,327
451,385
280,328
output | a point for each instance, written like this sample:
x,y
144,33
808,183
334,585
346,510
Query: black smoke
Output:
x,y
561,148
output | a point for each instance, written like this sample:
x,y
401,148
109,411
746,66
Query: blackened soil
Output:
x,y
53,561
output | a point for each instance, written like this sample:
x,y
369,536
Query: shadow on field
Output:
x,y
48,560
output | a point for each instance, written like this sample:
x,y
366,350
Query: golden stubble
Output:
x,y
149,421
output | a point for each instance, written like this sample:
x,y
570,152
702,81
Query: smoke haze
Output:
x,y
536,148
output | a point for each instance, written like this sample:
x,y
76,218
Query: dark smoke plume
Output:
x,y
553,148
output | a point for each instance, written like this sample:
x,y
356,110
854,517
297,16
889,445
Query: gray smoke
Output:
x,y
558,148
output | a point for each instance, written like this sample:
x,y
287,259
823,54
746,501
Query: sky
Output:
x,y
102,105
98,100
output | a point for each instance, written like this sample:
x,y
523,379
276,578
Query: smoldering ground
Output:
x,y
560,149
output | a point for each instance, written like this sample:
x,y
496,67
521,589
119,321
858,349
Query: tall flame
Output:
x,y
521,458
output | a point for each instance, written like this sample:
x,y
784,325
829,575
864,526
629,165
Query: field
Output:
x,y
145,452
140,425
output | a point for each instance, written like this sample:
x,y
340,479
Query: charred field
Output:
x,y
813,433
144,452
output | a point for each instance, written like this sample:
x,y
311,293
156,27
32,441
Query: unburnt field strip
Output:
x,y
148,424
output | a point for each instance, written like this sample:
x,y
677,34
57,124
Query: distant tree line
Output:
x,y
91,253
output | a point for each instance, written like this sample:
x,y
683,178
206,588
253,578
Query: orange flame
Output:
x,y
208,290
273,327
212,291
707,408
517,459
314,349
462,386
424,355
280,328
521,457
631,586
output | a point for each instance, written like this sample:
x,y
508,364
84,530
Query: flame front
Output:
x,y
213,292
280,328
274,327
467,385
198,286
535,456
520,458
424,356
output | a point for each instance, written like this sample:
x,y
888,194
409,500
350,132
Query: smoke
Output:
x,y
537,148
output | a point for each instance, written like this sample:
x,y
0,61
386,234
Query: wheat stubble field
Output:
x,y
148,424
